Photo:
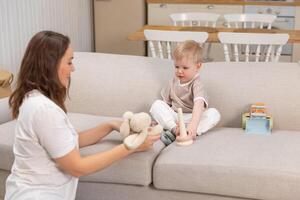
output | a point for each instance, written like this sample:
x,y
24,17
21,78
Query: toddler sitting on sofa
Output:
x,y
185,91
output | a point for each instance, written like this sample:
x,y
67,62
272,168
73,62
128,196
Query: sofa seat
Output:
x,y
226,161
135,169
6,144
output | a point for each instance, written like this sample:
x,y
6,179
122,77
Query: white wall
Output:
x,y
21,19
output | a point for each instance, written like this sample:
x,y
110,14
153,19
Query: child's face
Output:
x,y
186,69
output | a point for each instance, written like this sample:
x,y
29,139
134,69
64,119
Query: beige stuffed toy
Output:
x,y
136,128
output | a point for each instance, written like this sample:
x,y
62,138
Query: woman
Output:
x,y
47,160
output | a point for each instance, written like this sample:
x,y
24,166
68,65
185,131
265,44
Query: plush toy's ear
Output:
x,y
125,128
128,115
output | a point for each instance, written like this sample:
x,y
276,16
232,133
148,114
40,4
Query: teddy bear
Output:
x,y
136,127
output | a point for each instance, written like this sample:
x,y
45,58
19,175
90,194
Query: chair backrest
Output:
x,y
161,43
249,20
267,46
195,19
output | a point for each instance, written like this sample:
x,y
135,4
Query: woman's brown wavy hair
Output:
x,y
39,70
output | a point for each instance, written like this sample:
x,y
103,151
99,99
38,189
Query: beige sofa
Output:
x,y
223,164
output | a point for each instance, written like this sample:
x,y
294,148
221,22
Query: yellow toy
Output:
x,y
182,139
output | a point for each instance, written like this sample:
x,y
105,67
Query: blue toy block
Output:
x,y
258,125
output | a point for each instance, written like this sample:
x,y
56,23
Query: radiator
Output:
x,y
20,20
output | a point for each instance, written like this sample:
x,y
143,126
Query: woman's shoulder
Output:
x,y
36,98
35,101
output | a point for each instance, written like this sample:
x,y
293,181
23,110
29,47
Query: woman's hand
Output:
x,y
148,143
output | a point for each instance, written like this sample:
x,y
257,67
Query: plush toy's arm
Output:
x,y
125,128
135,140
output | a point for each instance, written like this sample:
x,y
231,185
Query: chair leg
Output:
x,y
207,58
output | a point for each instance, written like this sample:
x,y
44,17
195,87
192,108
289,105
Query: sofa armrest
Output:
x,y
5,112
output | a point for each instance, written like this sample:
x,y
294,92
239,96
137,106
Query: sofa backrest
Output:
x,y
233,87
108,84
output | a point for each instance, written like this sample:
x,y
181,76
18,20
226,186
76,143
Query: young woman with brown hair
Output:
x,y
47,160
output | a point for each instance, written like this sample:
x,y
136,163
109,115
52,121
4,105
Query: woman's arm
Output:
x,y
77,166
93,135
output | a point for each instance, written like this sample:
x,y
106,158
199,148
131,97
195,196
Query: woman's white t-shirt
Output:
x,y
43,133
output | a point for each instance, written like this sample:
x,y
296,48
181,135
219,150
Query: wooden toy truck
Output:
x,y
257,121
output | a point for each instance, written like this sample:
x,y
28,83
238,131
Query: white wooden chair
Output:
x,y
249,20
161,43
196,19
271,43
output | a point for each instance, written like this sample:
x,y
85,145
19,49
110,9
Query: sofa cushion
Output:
x,y
226,161
135,169
6,144
5,111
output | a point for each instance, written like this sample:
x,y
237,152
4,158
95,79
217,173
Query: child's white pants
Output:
x,y
167,117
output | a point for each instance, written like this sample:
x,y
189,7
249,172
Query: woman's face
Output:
x,y
66,67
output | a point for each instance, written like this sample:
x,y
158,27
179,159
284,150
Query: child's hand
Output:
x,y
192,130
177,129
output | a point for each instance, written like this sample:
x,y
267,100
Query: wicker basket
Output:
x,y
6,79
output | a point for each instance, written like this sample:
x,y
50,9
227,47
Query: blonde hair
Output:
x,y
189,49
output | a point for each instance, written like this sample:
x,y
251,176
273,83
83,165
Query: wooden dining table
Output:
x,y
213,32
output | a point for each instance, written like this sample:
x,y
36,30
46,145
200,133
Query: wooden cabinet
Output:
x,y
213,8
114,21
158,13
